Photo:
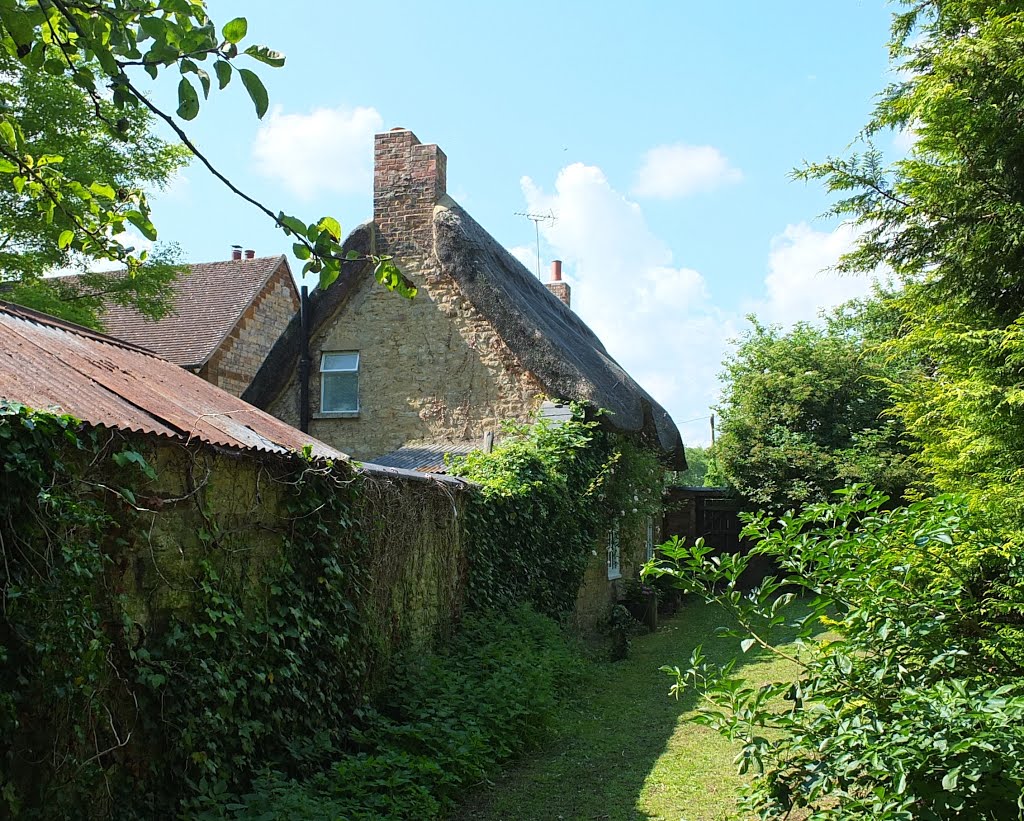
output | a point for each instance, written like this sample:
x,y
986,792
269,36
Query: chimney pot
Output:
x,y
236,252
560,289
250,254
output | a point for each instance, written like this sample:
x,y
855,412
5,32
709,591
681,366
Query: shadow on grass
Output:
x,y
620,751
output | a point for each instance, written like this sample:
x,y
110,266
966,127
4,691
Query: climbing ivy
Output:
x,y
54,650
548,493
102,715
113,704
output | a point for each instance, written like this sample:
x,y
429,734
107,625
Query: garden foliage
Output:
x,y
248,694
911,705
548,494
809,410
909,646
133,719
445,724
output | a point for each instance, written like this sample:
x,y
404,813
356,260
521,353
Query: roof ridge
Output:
x,y
32,315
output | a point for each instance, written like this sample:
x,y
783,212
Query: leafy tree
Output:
x,y
102,47
913,707
56,117
949,220
701,470
805,412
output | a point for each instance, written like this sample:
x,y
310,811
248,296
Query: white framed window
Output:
x,y
614,553
649,551
339,382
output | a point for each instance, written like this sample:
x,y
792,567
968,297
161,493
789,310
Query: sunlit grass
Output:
x,y
624,750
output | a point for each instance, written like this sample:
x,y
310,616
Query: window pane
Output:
x,y
339,362
340,392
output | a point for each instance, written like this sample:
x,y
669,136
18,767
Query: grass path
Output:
x,y
623,750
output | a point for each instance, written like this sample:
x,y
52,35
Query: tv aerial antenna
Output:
x,y
537,219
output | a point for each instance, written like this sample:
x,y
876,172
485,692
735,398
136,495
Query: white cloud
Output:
x,y
329,150
799,283
654,317
905,139
670,171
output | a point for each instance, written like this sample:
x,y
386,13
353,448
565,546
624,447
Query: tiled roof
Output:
x,y
428,458
209,300
48,364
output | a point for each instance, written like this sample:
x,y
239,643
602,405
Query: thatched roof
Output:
x,y
548,339
546,336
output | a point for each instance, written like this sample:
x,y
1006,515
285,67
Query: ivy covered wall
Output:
x,y
177,619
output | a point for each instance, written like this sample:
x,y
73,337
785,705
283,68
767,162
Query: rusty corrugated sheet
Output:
x,y
49,364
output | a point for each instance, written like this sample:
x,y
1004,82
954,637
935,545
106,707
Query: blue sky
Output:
x,y
661,134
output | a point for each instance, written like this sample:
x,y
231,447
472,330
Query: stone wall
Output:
x,y
413,528
598,594
235,363
431,369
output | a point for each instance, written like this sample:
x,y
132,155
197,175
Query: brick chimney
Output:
x,y
556,286
409,179
236,252
250,254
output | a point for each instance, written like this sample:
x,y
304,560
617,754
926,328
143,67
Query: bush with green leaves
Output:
x,y
446,722
547,493
908,700
808,410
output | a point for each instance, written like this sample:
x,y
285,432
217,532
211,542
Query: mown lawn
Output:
x,y
624,750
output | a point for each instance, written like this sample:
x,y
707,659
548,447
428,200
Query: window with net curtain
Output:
x,y
339,382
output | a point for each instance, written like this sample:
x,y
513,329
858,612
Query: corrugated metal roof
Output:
x,y
427,458
49,364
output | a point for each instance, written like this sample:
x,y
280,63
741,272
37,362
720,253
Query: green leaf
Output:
x,y
331,226
188,100
746,644
101,189
133,457
353,254
204,81
328,275
951,779
223,69
140,221
296,226
301,251
235,30
64,240
7,132
272,58
7,167
257,92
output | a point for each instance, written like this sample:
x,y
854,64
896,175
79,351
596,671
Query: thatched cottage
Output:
x,y
402,382
483,341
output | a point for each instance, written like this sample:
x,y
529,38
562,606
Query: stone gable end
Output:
x,y
431,369
235,363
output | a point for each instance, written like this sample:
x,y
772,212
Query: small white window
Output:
x,y
339,382
614,553
649,553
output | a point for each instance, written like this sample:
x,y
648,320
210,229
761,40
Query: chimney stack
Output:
x,y
556,286
250,254
236,252
409,179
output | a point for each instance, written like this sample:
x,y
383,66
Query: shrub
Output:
x,y
912,705
447,722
